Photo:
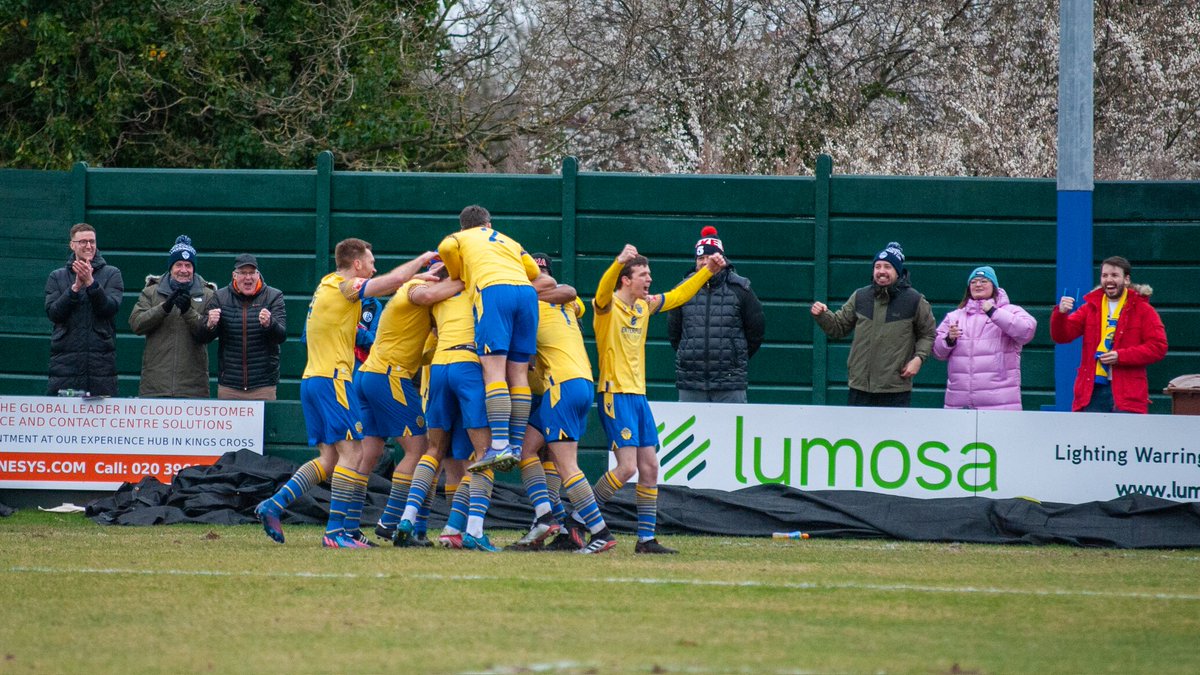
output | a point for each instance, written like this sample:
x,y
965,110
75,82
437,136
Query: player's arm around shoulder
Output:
x,y
552,292
388,284
429,294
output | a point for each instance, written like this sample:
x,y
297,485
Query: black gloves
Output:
x,y
183,301
178,298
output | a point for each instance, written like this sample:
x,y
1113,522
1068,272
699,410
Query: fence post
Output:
x,y
820,349
79,192
570,175
323,206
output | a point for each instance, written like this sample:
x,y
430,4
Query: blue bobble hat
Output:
x,y
182,250
893,255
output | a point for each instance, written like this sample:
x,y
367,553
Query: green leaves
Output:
x,y
220,84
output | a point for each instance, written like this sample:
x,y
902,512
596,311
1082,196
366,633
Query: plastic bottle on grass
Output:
x,y
797,534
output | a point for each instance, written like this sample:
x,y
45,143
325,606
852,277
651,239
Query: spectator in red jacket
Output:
x,y
1122,334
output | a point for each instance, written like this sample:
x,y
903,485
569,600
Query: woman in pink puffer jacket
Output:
x,y
981,342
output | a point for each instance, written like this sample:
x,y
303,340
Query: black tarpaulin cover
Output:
x,y
226,493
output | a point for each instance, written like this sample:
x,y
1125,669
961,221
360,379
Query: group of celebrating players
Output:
x,y
481,313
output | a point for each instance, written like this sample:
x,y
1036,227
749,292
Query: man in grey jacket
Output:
x,y
168,313
893,333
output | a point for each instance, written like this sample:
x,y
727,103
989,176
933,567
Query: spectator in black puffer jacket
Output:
x,y
251,321
81,299
716,333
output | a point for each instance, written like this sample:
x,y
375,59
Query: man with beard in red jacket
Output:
x,y
1122,334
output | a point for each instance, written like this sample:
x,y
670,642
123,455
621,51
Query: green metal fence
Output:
x,y
797,239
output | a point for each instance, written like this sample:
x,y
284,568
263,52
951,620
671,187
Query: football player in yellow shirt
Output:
x,y
331,412
497,273
387,390
623,304
559,419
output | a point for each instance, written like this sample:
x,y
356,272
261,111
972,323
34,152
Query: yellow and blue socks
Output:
x,y
553,488
422,481
401,483
302,481
647,512
606,487
354,512
481,501
499,410
342,489
521,401
460,500
534,479
580,493
421,525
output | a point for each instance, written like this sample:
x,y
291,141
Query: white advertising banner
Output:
x,y
97,444
930,453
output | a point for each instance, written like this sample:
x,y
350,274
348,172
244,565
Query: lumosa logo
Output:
x,y
931,465
684,444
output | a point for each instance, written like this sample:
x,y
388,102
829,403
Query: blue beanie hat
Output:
x,y
893,255
182,250
986,272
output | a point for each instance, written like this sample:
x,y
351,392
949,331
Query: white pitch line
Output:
x,y
647,581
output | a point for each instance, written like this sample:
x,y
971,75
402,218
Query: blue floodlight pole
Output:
x,y
1075,177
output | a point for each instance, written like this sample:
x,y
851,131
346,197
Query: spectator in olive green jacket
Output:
x,y
893,333
168,313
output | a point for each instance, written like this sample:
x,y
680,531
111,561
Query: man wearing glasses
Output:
x,y
251,320
81,300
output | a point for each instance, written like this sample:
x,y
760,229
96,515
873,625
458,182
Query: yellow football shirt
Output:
x,y
400,336
483,257
621,329
330,327
455,331
561,355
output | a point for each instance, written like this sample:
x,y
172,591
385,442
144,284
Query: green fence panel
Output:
x,y
798,239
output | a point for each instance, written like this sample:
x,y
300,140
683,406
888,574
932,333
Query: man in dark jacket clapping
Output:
x,y
81,299
250,318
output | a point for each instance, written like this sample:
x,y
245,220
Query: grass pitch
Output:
x,y
81,598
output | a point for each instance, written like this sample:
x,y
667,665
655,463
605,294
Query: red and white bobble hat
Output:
x,y
709,244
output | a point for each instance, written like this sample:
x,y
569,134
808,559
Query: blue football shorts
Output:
x,y
563,411
627,420
506,321
331,411
456,391
390,405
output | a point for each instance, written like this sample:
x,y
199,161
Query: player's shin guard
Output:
x,y
581,496
606,487
355,507
401,483
481,501
421,524
460,502
341,489
301,482
422,482
521,402
647,511
553,490
534,480
499,411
